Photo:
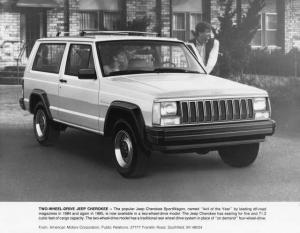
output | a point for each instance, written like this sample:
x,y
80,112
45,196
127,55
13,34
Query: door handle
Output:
x,y
63,80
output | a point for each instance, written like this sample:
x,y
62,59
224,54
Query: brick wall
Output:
x,y
10,31
74,16
55,21
137,9
9,37
165,18
55,18
10,22
292,24
140,8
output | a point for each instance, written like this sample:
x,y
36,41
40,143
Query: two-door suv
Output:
x,y
147,93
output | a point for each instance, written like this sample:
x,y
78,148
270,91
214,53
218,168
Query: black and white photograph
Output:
x,y
143,101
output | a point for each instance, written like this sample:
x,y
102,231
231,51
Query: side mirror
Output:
x,y
87,74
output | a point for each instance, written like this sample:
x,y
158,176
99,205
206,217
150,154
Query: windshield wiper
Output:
x,y
174,70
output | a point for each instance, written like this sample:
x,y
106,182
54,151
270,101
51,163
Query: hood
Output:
x,y
170,85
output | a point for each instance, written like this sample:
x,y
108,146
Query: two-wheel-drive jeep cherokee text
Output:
x,y
147,94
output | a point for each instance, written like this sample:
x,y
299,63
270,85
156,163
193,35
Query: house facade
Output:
x,y
24,21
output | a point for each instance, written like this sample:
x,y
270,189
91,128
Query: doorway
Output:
x,y
33,26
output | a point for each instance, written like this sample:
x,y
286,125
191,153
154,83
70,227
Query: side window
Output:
x,y
48,58
80,57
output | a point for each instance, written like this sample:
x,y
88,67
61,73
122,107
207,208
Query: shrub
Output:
x,y
282,90
274,62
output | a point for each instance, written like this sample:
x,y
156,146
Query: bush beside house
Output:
x,y
274,62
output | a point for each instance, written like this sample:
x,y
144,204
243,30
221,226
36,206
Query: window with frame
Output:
x,y
184,23
266,35
257,40
99,20
195,18
89,20
110,20
80,57
48,58
179,25
271,29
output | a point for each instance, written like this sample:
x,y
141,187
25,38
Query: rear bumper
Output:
x,y
22,103
213,136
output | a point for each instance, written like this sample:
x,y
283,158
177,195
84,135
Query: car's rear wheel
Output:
x,y
240,155
45,130
130,157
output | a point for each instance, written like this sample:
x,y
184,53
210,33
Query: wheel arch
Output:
x,y
127,111
36,96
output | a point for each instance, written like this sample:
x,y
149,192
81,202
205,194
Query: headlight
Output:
x,y
259,104
168,109
165,113
261,109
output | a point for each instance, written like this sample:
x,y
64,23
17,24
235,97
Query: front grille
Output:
x,y
217,110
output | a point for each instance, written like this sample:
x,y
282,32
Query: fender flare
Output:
x,y
133,111
43,97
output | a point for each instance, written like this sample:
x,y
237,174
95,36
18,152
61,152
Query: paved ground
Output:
x,y
79,167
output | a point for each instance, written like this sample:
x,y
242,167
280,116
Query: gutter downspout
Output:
x,y
171,18
66,16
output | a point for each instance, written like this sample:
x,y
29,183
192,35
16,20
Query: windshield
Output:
x,y
132,57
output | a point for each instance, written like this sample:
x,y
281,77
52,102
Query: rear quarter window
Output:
x,y
48,58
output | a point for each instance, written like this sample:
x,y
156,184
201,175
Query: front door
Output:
x,y
78,98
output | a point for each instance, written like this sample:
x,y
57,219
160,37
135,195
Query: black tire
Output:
x,y
45,130
240,155
130,158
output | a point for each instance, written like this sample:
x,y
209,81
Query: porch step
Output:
x,y
12,71
10,80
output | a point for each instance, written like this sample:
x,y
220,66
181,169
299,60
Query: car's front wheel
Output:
x,y
240,155
46,131
130,157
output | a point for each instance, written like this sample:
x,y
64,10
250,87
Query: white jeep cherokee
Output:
x,y
147,94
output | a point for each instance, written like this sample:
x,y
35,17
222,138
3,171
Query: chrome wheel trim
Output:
x,y
123,149
40,123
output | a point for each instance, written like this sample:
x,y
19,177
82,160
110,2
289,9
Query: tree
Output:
x,y
235,39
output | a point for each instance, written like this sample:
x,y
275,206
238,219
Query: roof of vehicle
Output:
x,y
98,38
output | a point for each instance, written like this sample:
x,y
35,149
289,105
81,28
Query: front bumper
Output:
x,y
209,136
